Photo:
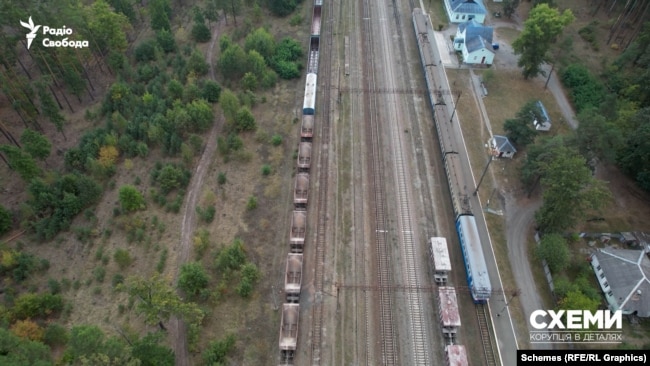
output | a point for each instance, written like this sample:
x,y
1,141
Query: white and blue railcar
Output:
x,y
309,105
475,267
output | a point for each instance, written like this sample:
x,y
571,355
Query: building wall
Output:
x,y
604,285
462,17
476,56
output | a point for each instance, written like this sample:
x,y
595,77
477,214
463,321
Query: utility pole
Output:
x,y
455,106
483,175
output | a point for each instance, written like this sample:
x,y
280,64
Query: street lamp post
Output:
x,y
483,175
455,106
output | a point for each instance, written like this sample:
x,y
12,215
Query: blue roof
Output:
x,y
467,6
477,36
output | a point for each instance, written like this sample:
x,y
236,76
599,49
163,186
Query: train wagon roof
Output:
x,y
289,326
294,273
307,122
441,261
448,306
310,92
456,355
302,181
474,250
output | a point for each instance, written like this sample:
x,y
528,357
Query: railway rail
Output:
x,y
323,177
482,313
389,354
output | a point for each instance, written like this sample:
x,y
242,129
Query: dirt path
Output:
x,y
177,328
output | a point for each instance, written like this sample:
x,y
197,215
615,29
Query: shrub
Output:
x,y
55,335
266,169
130,198
54,285
221,179
231,257
193,278
276,140
217,351
252,203
117,280
35,305
206,214
5,220
145,51
201,32
99,273
122,258
295,20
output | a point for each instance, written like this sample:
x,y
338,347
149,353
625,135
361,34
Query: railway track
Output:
x,y
482,313
389,355
418,332
323,177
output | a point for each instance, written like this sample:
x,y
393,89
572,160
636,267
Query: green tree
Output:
x,y
21,162
49,108
576,300
520,129
130,198
555,251
17,351
193,278
596,137
229,104
161,13
210,91
232,62
211,11
261,41
158,301
232,257
166,40
36,144
6,221
151,353
244,120
197,63
509,7
217,351
249,81
107,28
541,29
85,340
201,115
256,63
146,51
201,32
125,7
282,7
634,157
569,189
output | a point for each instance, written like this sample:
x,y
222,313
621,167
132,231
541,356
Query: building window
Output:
x,y
463,17
598,267
610,294
457,16
602,275
606,284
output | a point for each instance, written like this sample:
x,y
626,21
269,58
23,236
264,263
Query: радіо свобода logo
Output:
x,y
53,32
31,35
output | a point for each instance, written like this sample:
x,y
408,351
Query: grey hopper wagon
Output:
x,y
293,278
298,231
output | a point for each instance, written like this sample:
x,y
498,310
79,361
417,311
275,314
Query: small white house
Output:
x,y
541,120
460,11
501,147
474,40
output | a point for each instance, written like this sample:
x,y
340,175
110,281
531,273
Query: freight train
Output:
x,y
470,242
290,316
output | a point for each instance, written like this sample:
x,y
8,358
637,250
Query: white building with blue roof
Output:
x,y
460,11
474,40
624,277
